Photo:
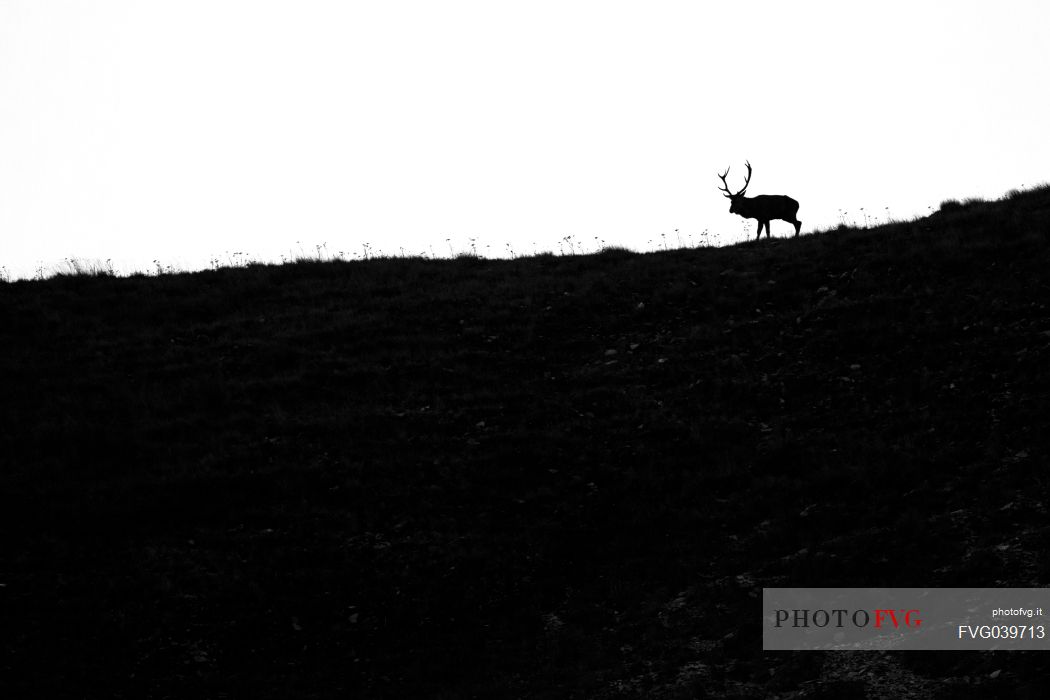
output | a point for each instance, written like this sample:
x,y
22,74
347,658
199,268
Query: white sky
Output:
x,y
189,129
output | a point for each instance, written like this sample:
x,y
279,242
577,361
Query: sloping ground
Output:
x,y
549,477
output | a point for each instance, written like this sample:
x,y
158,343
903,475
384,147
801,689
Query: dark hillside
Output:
x,y
546,477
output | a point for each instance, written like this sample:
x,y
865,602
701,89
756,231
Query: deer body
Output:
x,y
766,207
763,208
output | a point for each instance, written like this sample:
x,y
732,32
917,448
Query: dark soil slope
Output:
x,y
546,477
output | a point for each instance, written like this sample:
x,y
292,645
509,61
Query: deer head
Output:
x,y
734,197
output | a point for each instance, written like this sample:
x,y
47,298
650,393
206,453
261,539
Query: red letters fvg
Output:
x,y
906,618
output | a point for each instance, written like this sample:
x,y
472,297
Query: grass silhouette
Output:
x,y
542,477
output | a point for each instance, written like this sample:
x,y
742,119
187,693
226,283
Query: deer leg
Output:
x,y
798,226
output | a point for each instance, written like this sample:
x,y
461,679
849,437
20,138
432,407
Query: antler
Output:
x,y
725,185
747,179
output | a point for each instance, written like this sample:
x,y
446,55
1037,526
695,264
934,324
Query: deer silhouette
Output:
x,y
764,207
